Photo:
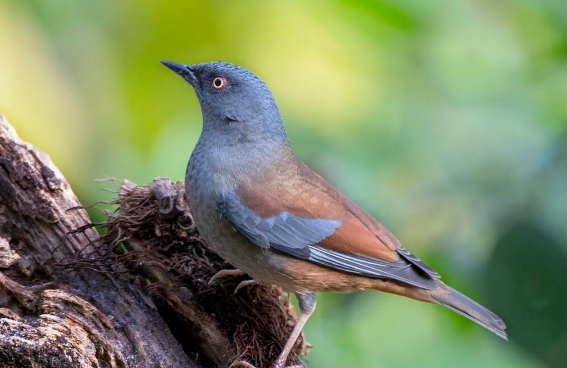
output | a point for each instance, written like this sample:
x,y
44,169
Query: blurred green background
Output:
x,y
446,120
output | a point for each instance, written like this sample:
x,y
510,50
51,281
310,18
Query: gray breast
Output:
x,y
207,178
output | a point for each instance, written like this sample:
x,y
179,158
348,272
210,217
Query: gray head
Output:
x,y
236,104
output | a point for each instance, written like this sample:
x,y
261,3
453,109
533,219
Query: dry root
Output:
x,y
152,238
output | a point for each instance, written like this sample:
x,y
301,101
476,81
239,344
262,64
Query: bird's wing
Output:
x,y
307,218
386,237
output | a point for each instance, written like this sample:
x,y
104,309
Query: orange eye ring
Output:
x,y
219,83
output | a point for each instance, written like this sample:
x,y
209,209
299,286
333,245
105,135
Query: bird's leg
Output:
x,y
224,273
306,306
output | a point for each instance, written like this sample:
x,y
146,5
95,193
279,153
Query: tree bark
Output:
x,y
134,297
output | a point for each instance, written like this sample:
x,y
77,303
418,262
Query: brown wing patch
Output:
x,y
374,226
295,188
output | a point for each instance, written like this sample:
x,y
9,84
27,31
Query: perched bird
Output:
x,y
266,213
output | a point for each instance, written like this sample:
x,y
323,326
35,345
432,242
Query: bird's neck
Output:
x,y
236,159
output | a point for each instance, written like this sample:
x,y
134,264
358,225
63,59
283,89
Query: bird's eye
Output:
x,y
219,83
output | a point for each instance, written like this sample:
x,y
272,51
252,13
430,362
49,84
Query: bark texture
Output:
x,y
134,297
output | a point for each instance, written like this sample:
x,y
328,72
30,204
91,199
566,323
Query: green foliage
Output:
x,y
526,283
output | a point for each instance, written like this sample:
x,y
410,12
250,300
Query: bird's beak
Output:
x,y
183,70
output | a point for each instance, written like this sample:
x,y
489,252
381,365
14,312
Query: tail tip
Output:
x,y
459,303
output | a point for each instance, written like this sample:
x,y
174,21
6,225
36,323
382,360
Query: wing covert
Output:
x,y
301,237
284,231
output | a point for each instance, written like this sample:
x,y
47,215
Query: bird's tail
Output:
x,y
467,307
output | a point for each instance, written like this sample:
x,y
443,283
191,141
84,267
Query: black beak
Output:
x,y
183,70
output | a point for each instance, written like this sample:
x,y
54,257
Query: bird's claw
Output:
x,y
224,273
243,284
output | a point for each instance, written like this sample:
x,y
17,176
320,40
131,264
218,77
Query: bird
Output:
x,y
258,206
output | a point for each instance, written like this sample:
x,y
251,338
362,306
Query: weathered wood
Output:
x,y
135,297
89,319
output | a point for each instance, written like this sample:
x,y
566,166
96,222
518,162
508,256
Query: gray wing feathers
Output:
x,y
299,237
281,231
417,262
400,271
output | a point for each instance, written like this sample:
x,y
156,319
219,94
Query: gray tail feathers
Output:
x,y
467,307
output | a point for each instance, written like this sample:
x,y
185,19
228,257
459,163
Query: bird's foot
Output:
x,y
224,273
280,363
244,283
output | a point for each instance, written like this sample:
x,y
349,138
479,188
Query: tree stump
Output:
x,y
136,296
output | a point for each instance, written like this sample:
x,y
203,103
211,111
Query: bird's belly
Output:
x,y
261,264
